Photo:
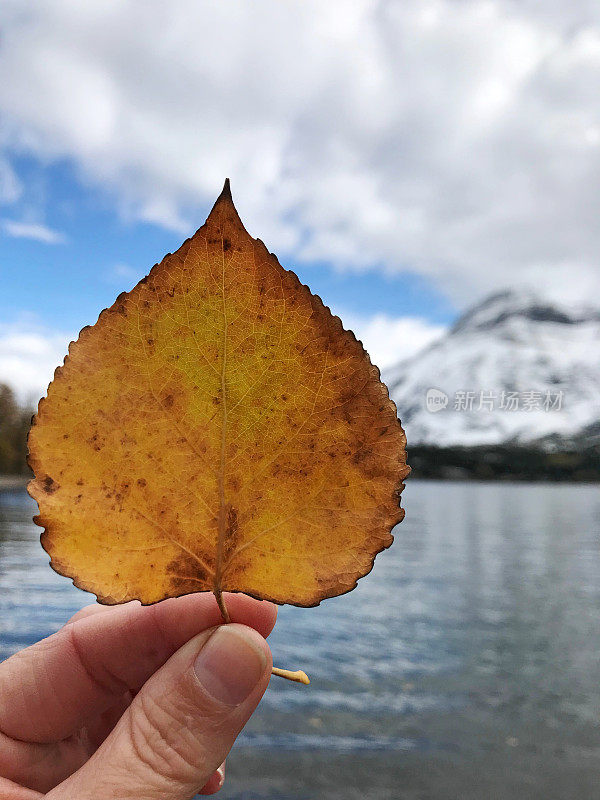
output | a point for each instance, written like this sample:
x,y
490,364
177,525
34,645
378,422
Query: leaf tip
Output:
x,y
224,205
226,191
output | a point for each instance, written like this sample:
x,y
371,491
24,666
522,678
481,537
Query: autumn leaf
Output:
x,y
217,429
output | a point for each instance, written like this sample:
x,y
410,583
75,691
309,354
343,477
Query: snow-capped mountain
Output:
x,y
513,369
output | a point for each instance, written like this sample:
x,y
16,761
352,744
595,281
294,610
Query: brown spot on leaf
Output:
x,y
187,575
49,485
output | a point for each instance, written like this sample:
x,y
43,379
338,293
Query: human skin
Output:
x,y
133,702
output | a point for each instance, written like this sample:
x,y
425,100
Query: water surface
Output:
x,y
466,666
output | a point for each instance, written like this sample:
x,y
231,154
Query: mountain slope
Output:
x,y
513,369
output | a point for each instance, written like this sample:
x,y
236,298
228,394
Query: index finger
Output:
x,y
49,690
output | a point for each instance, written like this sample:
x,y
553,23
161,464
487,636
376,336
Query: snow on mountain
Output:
x,y
513,369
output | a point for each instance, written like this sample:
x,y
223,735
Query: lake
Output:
x,y
464,667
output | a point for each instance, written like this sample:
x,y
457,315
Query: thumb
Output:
x,y
181,725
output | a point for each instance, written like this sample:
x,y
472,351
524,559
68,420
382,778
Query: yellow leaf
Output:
x,y
217,429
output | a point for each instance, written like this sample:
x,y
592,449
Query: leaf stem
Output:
x,y
298,676
222,607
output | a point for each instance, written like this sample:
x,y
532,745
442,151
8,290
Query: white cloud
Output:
x,y
32,230
10,186
29,354
390,339
457,139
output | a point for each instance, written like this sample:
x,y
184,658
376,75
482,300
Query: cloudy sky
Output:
x,y
404,157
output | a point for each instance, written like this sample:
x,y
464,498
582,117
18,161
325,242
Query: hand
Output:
x,y
131,702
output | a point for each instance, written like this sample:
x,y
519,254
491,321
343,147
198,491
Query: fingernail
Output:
x,y
230,665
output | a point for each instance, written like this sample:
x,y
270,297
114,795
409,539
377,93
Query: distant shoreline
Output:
x,y
505,463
